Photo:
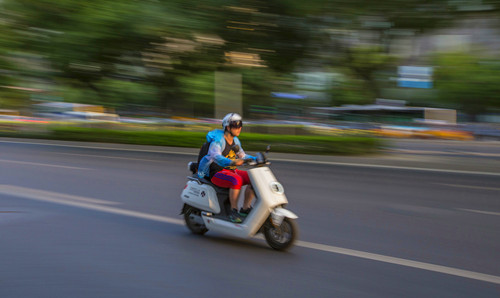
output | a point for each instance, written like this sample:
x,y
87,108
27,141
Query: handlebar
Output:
x,y
260,160
251,162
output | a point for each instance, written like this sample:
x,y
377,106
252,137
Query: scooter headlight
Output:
x,y
277,188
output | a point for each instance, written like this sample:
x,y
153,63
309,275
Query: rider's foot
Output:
x,y
244,212
235,216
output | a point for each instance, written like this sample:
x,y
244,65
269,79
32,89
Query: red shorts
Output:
x,y
231,179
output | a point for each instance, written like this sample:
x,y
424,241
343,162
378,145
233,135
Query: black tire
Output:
x,y
282,237
193,226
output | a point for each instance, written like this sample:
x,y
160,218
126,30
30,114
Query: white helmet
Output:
x,y
232,119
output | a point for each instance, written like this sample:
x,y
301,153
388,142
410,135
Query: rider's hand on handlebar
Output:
x,y
238,162
250,162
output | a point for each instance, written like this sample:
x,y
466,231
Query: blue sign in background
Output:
x,y
414,83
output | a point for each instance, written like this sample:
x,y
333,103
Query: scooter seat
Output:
x,y
218,189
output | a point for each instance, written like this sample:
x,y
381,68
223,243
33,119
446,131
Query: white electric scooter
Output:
x,y
206,207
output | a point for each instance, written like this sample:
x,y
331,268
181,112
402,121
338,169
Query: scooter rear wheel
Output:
x,y
192,224
282,237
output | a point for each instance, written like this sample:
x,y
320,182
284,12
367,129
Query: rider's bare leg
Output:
x,y
233,197
249,195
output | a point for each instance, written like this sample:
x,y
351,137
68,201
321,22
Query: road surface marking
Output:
x,y
485,154
31,194
111,157
470,186
275,159
35,194
402,262
102,148
480,211
49,196
41,164
387,167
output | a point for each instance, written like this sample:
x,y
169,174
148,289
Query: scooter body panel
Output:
x,y
267,187
226,227
200,196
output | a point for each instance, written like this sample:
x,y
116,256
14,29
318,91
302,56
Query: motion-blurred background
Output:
x,y
354,64
403,218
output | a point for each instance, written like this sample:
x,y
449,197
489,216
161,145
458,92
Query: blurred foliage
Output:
x,y
201,92
328,145
365,62
351,90
468,82
112,93
161,55
8,97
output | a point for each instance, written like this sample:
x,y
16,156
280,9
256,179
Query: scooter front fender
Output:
x,y
278,214
282,212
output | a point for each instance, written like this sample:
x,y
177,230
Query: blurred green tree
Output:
x,y
200,95
267,29
91,43
9,70
365,61
468,82
350,89
126,52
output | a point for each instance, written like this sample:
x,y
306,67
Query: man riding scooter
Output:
x,y
206,206
219,164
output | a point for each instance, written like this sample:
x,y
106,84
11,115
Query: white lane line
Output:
x,y
402,262
444,152
35,194
387,167
41,164
470,186
102,147
110,157
276,159
7,189
480,211
48,196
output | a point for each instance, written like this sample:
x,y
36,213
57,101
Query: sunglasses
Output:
x,y
236,124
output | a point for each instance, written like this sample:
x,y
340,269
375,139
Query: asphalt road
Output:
x,y
445,147
92,222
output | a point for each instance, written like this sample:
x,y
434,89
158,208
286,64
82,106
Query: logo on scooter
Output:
x,y
203,194
276,187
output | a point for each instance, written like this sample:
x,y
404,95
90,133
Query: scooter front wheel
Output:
x,y
192,217
282,237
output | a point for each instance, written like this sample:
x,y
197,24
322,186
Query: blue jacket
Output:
x,y
217,144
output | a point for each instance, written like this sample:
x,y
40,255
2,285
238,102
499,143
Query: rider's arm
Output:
x,y
241,154
215,153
